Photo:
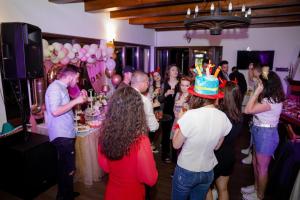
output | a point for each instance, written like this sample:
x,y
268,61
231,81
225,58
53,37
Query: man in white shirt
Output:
x,y
140,82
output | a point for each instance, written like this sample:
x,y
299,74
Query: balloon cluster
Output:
x,y
63,54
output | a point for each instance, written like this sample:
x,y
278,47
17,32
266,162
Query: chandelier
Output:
x,y
217,20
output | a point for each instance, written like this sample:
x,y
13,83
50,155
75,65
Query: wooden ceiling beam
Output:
x,y
255,21
268,20
154,20
65,1
113,5
251,26
181,9
273,12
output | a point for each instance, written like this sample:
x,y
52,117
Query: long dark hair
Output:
x,y
232,102
273,90
124,124
167,73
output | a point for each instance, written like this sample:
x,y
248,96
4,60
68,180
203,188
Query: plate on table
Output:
x,y
82,128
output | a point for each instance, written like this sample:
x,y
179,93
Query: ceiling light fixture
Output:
x,y
217,21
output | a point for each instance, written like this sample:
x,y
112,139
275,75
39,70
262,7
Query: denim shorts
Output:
x,y
265,139
190,185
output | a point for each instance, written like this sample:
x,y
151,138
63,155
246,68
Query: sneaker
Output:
x,y
247,160
153,146
214,194
155,150
245,151
252,196
167,160
248,189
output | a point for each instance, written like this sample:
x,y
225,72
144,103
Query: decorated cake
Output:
x,y
207,85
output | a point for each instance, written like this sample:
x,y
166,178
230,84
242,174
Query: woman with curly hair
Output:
x,y
266,105
124,148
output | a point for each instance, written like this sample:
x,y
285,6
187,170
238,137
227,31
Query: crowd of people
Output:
x,y
198,129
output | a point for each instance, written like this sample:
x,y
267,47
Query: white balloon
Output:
x,y
68,46
45,43
57,46
110,64
50,47
46,54
103,53
94,46
76,47
54,59
110,51
71,55
91,60
98,54
103,44
86,46
92,51
61,54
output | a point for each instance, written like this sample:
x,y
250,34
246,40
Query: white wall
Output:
x,y
70,19
285,41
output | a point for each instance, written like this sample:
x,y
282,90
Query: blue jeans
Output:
x,y
193,185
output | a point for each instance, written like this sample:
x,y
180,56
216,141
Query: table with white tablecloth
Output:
x,y
86,148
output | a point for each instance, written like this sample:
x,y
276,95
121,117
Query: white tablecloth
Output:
x,y
86,148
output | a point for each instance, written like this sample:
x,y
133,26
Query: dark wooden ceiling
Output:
x,y
165,15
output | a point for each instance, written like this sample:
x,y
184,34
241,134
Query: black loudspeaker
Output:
x,y
22,51
28,164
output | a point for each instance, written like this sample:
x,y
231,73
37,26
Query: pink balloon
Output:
x,y
116,79
65,60
109,73
74,91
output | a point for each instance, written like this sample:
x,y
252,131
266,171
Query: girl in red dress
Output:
x,y
124,148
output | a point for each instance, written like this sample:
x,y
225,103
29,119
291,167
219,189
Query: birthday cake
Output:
x,y
207,85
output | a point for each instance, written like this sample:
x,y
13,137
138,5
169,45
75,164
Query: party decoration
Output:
x,y
52,73
116,79
109,73
110,64
66,53
99,60
217,71
96,73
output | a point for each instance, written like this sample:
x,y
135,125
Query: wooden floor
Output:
x,y
242,176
